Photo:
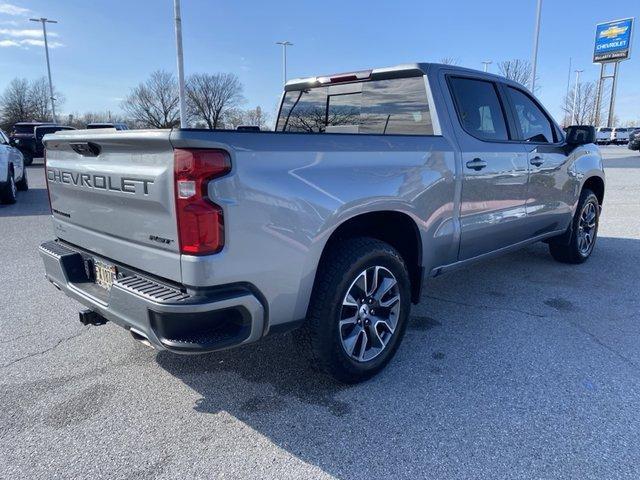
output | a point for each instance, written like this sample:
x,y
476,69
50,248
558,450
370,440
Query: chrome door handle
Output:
x,y
476,164
536,161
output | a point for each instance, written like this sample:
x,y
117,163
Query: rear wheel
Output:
x,y
359,309
10,191
584,232
23,184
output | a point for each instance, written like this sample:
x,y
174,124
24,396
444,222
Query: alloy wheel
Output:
x,y
369,314
587,228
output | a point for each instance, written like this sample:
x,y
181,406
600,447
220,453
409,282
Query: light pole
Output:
x,y
44,22
486,64
180,59
534,55
575,95
284,44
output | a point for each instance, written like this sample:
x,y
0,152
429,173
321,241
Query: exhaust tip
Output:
x,y
140,337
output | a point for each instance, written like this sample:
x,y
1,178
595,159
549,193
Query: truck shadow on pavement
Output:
x,y
485,363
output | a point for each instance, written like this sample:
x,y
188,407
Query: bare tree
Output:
x,y
25,101
41,99
518,71
15,105
154,103
211,96
254,116
585,93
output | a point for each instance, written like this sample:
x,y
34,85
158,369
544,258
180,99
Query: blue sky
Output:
x,y
103,48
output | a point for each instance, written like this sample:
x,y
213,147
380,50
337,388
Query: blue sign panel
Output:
x,y
613,41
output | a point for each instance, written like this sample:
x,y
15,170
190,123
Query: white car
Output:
x,y
603,135
620,135
13,174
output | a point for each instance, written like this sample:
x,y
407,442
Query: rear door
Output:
x,y
550,193
495,171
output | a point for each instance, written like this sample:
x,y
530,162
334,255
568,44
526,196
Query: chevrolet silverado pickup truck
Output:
x,y
200,240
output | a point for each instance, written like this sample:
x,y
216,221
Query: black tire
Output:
x,y
574,250
27,158
23,184
9,191
337,276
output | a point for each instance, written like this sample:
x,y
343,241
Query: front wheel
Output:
x,y
359,309
584,232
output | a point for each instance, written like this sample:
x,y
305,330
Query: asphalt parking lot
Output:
x,y
519,367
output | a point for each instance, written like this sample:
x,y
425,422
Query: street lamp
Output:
x,y
44,22
180,61
284,44
486,64
534,55
575,95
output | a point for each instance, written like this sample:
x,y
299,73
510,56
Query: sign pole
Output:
x,y
612,102
596,115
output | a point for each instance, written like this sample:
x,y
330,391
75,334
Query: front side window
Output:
x,y
395,106
534,124
479,108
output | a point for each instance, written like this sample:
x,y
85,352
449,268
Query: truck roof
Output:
x,y
396,71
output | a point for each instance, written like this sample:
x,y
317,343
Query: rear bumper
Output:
x,y
167,316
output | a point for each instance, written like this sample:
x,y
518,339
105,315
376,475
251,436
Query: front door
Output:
x,y
551,190
495,171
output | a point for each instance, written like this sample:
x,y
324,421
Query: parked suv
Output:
x,y
634,139
117,126
619,135
603,135
23,138
13,174
199,240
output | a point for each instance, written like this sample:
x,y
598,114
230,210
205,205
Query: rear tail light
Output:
x,y
200,221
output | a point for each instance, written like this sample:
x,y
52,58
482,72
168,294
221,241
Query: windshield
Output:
x,y
99,125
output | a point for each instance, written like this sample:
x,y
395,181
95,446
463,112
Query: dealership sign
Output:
x,y
613,41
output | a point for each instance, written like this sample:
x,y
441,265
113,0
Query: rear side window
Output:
x,y
394,106
534,125
479,108
23,128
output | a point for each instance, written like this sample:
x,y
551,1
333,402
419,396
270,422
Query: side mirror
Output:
x,y
580,135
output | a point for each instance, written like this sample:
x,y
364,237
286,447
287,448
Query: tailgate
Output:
x,y
112,193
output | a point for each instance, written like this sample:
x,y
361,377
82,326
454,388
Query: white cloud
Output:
x,y
25,33
40,43
10,9
12,23
8,43
29,42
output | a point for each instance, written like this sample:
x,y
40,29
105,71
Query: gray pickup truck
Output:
x,y
200,240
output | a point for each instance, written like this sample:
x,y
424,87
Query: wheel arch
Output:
x,y
396,228
596,185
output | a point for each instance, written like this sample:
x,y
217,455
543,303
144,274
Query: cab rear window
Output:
x,y
394,106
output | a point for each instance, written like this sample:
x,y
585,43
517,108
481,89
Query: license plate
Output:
x,y
104,273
